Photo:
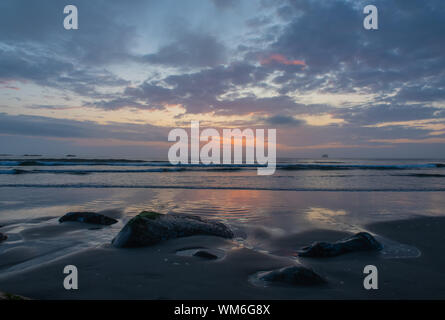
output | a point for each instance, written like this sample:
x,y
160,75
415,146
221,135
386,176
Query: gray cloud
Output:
x,y
369,115
328,36
102,37
62,128
189,50
48,70
279,120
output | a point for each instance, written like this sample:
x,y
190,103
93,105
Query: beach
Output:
x,y
269,227
270,224
158,272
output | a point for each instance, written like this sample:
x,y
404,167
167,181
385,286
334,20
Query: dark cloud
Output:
x,y
330,38
48,70
119,103
279,120
198,91
62,128
190,50
369,115
35,47
17,64
103,36
421,93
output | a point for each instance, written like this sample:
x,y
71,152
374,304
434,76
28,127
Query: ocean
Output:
x,y
291,175
328,190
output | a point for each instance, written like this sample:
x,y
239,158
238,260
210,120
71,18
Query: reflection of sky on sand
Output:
x,y
323,214
288,210
327,218
30,216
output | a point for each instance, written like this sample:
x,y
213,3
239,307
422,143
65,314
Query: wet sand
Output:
x,y
158,272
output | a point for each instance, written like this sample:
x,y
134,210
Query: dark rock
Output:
x,y
205,255
149,228
361,241
10,296
294,275
3,237
88,217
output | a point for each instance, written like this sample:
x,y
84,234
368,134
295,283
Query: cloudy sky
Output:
x,y
135,69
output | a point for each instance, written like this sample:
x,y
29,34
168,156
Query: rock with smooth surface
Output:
x,y
292,275
150,227
361,241
88,217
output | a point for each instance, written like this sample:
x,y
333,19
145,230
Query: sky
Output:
x,y
136,69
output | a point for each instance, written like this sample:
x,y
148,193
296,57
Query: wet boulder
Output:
x,y
361,241
150,227
292,275
3,237
88,217
10,296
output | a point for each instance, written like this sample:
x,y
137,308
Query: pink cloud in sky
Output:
x,y
9,87
279,58
6,84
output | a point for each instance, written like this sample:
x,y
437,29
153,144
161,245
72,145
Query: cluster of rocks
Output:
x,y
149,228
300,275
